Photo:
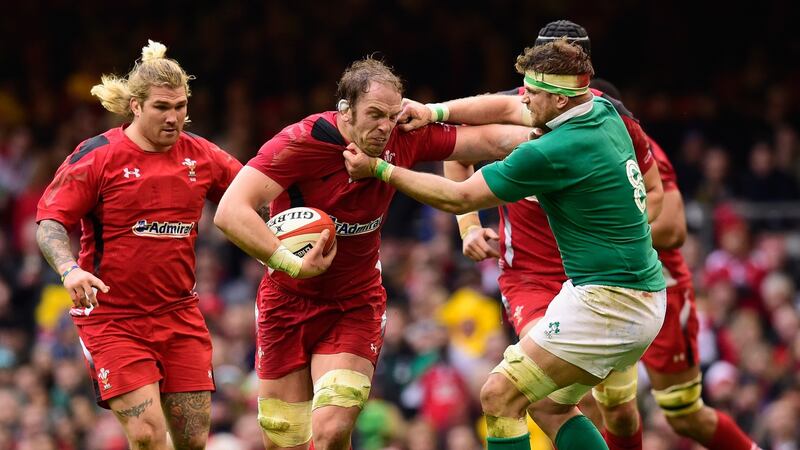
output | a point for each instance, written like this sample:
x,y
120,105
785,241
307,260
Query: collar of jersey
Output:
x,y
583,108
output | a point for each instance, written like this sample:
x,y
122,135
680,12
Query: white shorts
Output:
x,y
600,328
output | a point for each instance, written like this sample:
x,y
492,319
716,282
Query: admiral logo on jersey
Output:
x,y
163,229
352,229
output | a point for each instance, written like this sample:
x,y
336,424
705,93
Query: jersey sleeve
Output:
x,y
434,142
526,171
74,191
641,143
668,177
225,169
279,159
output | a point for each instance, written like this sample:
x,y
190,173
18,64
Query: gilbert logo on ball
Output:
x,y
299,228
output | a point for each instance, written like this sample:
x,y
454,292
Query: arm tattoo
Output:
x,y
135,411
188,415
263,211
53,240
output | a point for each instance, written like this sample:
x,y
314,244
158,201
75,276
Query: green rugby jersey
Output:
x,y
586,178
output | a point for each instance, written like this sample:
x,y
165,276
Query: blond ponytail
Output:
x,y
154,69
114,95
153,50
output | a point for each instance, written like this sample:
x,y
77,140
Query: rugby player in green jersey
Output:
x,y
584,172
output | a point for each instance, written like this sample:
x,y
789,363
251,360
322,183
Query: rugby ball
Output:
x,y
299,228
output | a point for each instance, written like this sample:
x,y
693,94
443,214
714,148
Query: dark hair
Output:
x,y
574,33
357,78
557,57
607,87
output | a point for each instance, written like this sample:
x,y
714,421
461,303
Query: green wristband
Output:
x,y
383,170
439,112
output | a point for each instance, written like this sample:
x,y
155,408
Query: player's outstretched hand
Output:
x,y
359,164
315,262
480,243
413,115
79,284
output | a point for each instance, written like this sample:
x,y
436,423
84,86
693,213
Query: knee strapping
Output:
x,y
286,424
506,427
341,387
618,388
570,395
681,399
525,374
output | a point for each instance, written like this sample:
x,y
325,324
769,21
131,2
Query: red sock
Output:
x,y
729,436
624,442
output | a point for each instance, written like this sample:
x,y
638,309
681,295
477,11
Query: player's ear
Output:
x,y
343,106
562,101
136,106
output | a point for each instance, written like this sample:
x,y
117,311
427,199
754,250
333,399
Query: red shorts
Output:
x,y
291,328
173,348
527,300
675,347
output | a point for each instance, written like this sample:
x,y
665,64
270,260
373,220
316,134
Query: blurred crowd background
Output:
x,y
719,94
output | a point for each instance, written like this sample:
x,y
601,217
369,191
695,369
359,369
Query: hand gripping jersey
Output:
x,y
527,245
305,158
138,213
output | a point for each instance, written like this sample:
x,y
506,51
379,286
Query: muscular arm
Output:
x,y
655,193
484,109
669,229
477,110
239,214
53,240
487,142
449,196
460,171
439,192
475,238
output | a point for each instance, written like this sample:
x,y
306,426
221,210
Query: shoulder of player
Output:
x,y
543,146
315,130
617,104
94,146
198,142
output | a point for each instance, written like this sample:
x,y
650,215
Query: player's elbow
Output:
x,y
461,203
222,219
670,239
677,237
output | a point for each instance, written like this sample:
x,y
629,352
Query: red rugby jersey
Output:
x,y
527,245
138,213
676,272
306,159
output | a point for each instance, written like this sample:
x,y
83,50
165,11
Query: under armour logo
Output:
x,y
374,348
134,172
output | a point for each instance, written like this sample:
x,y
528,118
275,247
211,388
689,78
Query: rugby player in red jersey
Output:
x,y
532,274
319,339
138,193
